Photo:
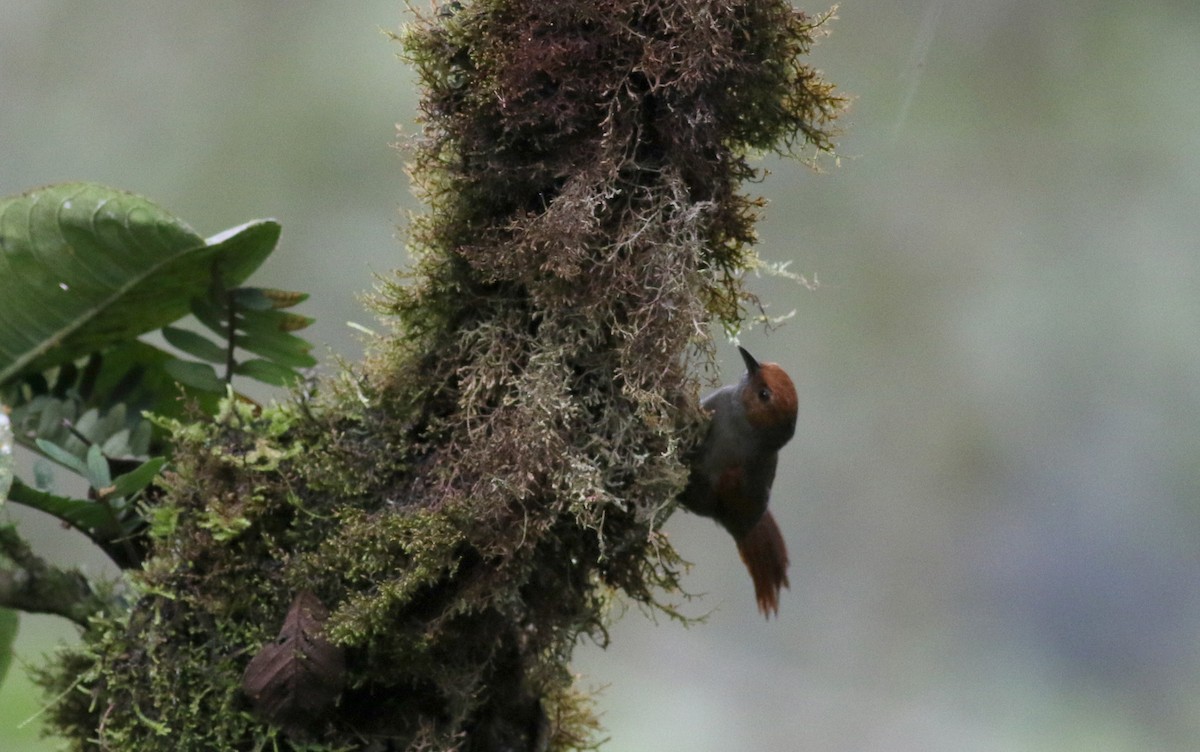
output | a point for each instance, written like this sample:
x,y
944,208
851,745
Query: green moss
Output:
x,y
469,502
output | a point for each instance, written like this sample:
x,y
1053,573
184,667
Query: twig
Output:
x,y
28,583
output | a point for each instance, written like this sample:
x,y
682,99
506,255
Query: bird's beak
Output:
x,y
751,364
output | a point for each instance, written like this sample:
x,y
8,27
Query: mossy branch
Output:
x,y
28,583
468,502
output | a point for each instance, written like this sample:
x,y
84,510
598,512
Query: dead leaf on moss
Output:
x,y
292,681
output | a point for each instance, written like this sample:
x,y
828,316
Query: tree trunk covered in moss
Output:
x,y
468,501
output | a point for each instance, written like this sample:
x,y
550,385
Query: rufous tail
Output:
x,y
765,555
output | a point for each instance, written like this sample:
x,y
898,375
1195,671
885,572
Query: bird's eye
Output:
x,y
764,394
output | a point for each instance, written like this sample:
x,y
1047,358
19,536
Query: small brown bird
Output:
x,y
735,466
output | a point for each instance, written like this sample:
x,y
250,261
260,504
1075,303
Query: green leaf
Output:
x,y
211,315
9,621
88,423
284,298
284,349
194,344
266,372
43,475
267,322
135,480
122,383
117,445
110,422
83,266
45,417
254,298
242,249
51,416
139,440
62,456
87,516
196,375
86,385
264,298
98,474
136,373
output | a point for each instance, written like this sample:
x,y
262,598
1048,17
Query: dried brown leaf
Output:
x,y
294,680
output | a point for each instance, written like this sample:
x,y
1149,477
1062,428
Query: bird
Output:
x,y
732,471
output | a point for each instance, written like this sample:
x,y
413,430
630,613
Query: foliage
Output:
x,y
87,269
85,266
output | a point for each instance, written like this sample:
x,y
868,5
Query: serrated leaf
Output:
x,y
196,375
266,372
135,480
62,456
83,266
194,344
9,621
98,474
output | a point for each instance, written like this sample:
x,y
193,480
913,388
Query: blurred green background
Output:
x,y
991,502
